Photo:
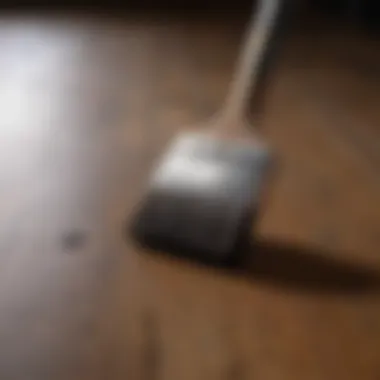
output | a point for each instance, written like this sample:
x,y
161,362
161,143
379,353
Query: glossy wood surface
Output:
x,y
87,104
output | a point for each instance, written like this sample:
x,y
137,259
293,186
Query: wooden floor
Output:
x,y
87,104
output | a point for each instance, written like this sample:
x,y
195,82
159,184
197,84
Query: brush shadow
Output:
x,y
283,265
303,268
276,263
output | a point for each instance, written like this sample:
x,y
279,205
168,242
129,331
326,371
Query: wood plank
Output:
x,y
88,103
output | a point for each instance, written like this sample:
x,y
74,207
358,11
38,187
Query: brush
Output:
x,y
207,188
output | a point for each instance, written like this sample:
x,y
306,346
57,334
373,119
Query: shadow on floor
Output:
x,y
288,266
304,269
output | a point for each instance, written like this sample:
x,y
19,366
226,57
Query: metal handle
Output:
x,y
249,64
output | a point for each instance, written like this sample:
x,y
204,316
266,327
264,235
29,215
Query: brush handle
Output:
x,y
249,64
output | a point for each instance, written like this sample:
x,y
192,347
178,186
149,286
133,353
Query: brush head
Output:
x,y
202,196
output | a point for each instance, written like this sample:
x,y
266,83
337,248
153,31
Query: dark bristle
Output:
x,y
229,257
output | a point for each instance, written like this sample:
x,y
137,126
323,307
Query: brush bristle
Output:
x,y
201,195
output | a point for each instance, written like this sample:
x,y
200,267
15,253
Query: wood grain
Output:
x,y
88,103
